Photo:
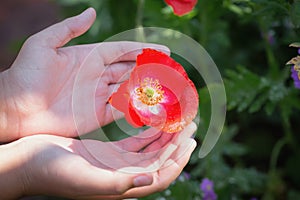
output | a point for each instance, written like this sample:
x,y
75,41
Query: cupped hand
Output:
x,y
39,86
70,168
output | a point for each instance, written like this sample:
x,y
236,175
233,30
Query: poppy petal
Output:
x,y
175,103
152,56
120,100
181,7
180,103
133,118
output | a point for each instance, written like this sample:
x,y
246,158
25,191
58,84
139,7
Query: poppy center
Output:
x,y
150,92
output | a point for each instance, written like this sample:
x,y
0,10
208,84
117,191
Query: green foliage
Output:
x,y
231,181
295,13
258,152
249,91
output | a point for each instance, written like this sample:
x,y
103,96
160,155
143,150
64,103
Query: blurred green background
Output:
x,y
258,154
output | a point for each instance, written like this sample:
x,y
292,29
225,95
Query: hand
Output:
x,y
53,165
38,87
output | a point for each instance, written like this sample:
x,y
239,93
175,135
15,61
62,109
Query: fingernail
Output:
x,y
142,180
88,12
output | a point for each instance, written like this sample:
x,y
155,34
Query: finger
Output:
x,y
112,52
176,162
80,51
110,79
166,175
117,72
187,132
111,114
182,150
181,138
163,140
147,163
59,34
104,93
112,88
140,141
92,181
160,142
104,111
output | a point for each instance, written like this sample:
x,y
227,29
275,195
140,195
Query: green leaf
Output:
x,y
295,13
243,87
293,194
235,149
258,103
277,92
269,108
247,180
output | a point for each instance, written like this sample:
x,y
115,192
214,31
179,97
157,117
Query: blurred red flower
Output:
x,y
181,7
158,93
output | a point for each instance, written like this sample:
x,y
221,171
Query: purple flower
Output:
x,y
271,37
295,76
207,187
186,175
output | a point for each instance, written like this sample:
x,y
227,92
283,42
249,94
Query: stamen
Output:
x,y
150,92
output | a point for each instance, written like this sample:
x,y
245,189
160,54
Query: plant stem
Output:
x,y
286,139
273,65
275,153
203,35
140,34
139,16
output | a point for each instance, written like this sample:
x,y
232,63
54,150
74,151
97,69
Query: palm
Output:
x,y
52,78
69,162
64,90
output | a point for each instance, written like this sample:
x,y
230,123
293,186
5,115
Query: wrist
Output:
x,y
3,106
9,123
12,171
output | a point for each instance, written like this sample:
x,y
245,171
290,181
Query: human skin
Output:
x,y
58,166
36,91
36,106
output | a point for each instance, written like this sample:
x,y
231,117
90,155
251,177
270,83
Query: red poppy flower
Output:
x,y
158,93
181,7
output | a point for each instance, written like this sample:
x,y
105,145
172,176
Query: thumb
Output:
x,y
61,33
